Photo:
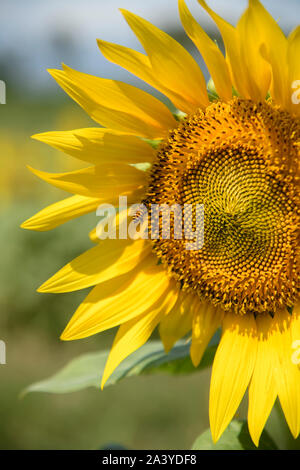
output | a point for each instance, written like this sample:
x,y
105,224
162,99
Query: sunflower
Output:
x,y
233,147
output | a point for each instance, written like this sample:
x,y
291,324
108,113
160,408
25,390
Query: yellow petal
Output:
x,y
117,105
102,181
233,55
294,70
140,65
112,303
178,322
210,52
134,333
286,372
295,324
171,63
295,332
274,49
109,259
232,369
61,212
251,36
133,61
93,235
98,145
262,389
206,320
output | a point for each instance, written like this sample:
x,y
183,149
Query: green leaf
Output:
x,y
235,437
155,143
211,90
86,370
179,115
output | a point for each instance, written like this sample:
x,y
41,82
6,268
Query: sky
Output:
x,y
40,34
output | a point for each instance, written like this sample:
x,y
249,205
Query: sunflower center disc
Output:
x,y
241,161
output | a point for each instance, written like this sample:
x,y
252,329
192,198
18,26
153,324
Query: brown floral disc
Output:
x,y
241,161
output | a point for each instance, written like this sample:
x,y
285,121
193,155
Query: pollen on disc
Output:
x,y
241,161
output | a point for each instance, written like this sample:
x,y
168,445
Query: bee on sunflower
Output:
x,y
237,153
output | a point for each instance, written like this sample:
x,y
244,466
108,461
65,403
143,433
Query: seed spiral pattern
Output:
x,y
241,161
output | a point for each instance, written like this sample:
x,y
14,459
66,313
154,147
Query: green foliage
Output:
x,y
235,437
86,370
211,90
29,258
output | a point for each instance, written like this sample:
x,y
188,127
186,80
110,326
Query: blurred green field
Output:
x,y
147,412
140,413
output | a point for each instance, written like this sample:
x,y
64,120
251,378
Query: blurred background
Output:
x,y
147,412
